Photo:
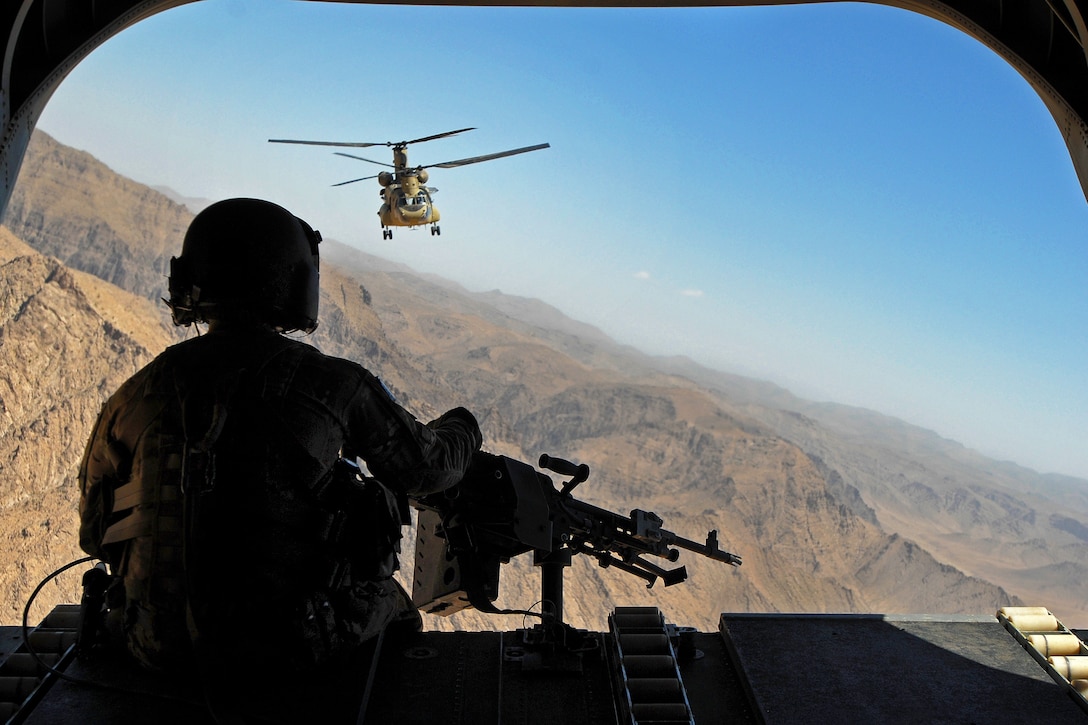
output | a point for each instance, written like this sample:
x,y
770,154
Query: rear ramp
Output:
x,y
777,669
849,669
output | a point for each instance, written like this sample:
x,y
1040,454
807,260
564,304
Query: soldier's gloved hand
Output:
x,y
463,419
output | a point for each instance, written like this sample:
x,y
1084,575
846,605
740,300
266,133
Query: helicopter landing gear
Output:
x,y
435,230
387,233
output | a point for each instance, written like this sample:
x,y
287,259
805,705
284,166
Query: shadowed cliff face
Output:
x,y
803,492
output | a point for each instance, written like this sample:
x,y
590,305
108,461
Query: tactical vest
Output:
x,y
173,521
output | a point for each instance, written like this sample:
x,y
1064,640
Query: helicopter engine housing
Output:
x,y
385,178
423,176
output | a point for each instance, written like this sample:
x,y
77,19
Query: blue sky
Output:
x,y
856,202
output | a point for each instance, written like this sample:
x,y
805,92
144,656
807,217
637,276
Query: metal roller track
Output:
x,y
23,680
649,688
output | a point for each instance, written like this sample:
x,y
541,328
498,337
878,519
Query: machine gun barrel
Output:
x,y
640,532
709,549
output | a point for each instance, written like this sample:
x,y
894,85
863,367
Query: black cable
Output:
x,y
63,675
26,617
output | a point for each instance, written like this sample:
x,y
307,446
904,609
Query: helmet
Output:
x,y
247,257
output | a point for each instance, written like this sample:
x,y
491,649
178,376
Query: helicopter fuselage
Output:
x,y
407,203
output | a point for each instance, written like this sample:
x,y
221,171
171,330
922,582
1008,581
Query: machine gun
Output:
x,y
503,508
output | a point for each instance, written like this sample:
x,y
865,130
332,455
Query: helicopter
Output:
x,y
406,200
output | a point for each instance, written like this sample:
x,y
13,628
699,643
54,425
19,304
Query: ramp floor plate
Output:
x,y
890,669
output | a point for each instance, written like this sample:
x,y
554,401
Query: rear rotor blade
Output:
x,y
360,158
342,183
488,157
367,144
352,144
432,138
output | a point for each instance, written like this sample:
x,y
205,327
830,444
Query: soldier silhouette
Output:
x,y
220,482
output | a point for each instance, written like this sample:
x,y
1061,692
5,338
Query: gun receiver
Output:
x,y
504,507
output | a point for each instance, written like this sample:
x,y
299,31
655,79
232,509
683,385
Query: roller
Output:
x,y
645,644
23,664
1051,645
638,611
1035,622
1013,611
665,711
52,640
649,665
627,622
1071,668
1081,686
655,689
15,689
67,619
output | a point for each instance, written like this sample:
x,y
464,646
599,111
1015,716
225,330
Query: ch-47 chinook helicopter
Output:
x,y
406,200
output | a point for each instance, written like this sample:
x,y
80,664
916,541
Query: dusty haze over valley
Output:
x,y
834,509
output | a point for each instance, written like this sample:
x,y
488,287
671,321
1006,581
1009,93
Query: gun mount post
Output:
x,y
552,564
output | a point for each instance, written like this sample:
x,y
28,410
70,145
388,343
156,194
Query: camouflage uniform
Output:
x,y
285,553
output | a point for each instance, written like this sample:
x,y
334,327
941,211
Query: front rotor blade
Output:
x,y
488,157
432,138
353,144
360,158
342,183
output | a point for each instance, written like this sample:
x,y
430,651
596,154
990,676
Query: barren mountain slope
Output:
x,y
993,519
658,443
69,205
64,342
653,439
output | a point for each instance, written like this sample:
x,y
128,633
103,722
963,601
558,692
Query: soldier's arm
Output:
x,y
403,452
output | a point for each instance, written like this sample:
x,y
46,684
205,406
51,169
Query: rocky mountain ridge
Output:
x,y
833,510
994,519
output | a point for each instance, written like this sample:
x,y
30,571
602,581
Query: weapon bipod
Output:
x,y
553,645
